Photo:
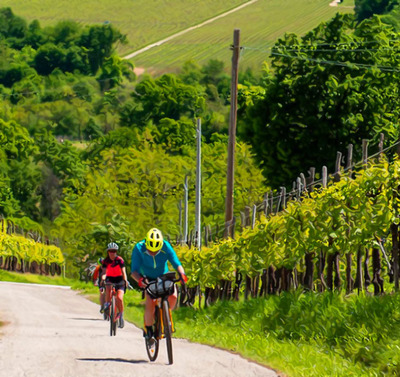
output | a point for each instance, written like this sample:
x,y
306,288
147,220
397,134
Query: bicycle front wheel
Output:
x,y
167,330
152,345
113,314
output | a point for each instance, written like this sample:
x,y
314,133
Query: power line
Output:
x,y
341,64
310,46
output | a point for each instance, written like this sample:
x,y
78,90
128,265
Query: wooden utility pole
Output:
x,y
198,186
232,135
186,211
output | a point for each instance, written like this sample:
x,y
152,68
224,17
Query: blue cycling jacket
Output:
x,y
153,266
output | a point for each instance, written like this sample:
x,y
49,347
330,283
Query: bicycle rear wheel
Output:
x,y
167,330
153,345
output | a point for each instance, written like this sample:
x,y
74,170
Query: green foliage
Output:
x,y
11,26
343,218
312,97
13,245
146,183
20,176
164,97
98,41
367,8
62,157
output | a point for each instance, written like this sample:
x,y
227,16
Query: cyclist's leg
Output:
x,y
120,300
149,308
108,293
173,299
102,296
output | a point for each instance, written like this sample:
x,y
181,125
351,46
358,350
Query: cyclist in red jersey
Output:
x,y
114,271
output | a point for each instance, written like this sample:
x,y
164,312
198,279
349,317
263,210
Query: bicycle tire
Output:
x,y
152,350
114,317
167,330
112,314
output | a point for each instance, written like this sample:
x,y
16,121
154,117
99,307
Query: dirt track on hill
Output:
x,y
162,41
53,331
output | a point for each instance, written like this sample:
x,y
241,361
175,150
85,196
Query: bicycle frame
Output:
x,y
112,310
164,326
159,307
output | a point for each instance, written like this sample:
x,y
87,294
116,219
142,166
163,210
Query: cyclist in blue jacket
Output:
x,y
150,259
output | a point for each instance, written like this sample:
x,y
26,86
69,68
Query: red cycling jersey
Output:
x,y
113,268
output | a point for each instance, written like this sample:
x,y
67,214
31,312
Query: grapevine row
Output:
x,y
310,239
20,253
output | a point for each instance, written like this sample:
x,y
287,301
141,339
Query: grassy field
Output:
x,y
149,21
261,24
144,21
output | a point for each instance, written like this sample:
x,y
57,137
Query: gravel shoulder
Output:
x,y
53,331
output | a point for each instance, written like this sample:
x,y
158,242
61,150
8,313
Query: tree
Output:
x,y
11,26
141,188
367,8
48,58
164,97
99,41
113,70
20,176
316,97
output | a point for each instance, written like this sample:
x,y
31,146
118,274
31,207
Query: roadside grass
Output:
x,y
305,334
300,334
261,24
143,21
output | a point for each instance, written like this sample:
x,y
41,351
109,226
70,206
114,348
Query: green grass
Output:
x,y
261,24
299,334
144,21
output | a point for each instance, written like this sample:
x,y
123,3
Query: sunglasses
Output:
x,y
112,251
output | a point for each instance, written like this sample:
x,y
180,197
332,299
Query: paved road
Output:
x,y
53,331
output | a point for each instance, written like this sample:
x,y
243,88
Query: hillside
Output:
x,y
144,21
261,23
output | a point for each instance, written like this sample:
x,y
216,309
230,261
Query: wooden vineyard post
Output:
x,y
349,255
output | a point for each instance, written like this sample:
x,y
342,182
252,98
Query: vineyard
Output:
x,y
20,253
321,241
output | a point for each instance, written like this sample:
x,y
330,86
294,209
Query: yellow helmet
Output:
x,y
154,240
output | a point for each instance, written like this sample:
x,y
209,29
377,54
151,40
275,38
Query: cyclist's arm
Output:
x,y
174,260
103,271
172,257
136,276
180,270
124,276
136,262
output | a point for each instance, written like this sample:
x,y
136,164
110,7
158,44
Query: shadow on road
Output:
x,y
88,319
118,360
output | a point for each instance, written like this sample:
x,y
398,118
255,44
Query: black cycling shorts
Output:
x,y
118,282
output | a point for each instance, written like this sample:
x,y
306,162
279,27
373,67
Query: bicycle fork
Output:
x,y
160,313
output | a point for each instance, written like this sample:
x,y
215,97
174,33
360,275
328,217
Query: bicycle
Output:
x,y
160,289
111,311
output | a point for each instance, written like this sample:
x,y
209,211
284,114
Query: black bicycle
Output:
x,y
163,327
